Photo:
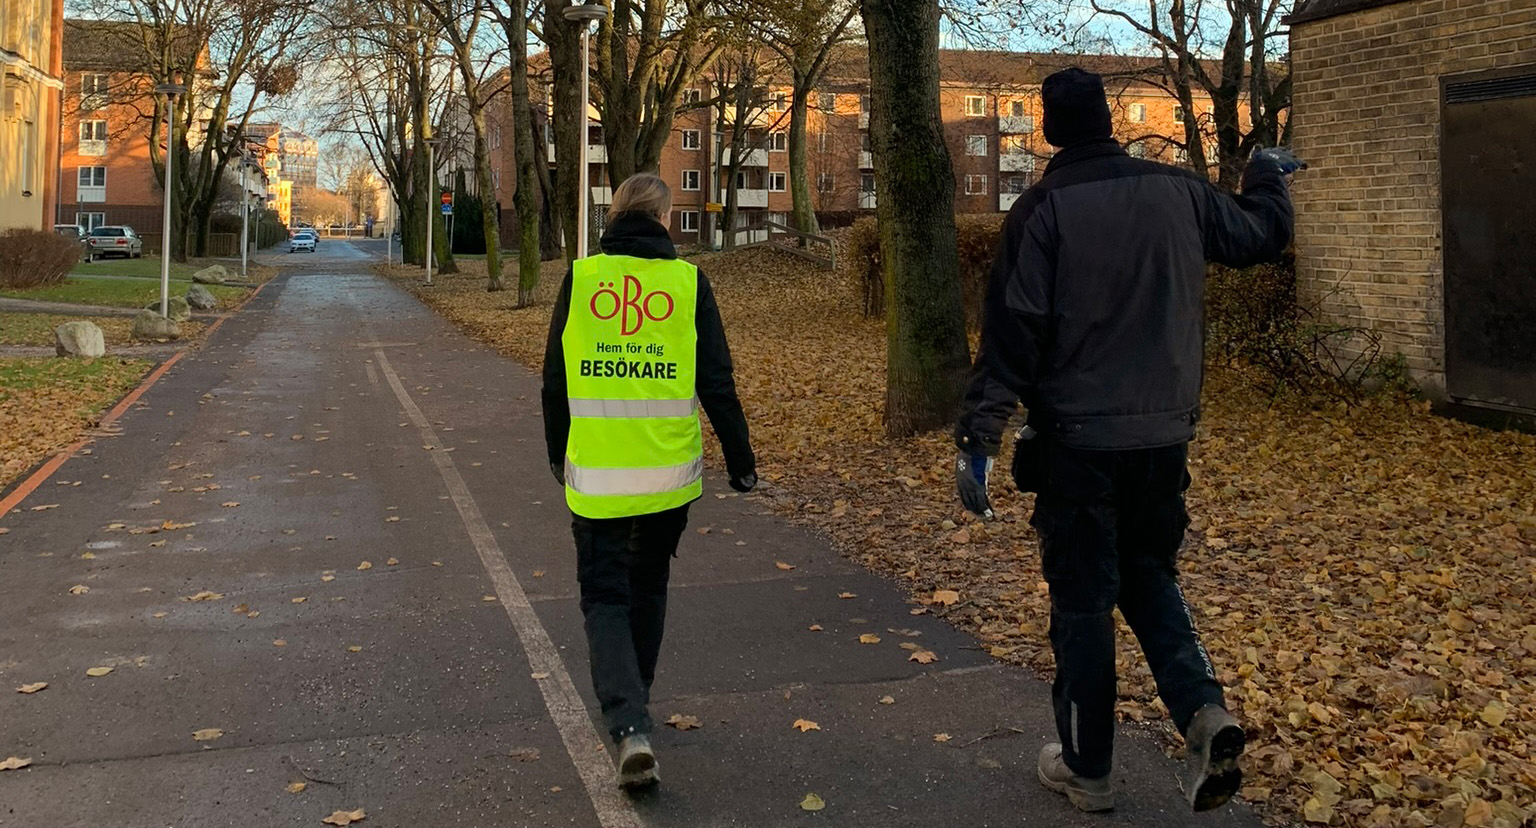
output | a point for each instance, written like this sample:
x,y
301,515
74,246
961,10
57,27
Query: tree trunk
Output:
x,y
926,349
804,217
489,220
525,195
570,125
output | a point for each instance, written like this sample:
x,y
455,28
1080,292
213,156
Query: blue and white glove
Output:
x,y
971,473
1280,158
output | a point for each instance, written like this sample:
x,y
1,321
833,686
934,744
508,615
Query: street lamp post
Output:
x,y
245,217
592,11
431,188
170,91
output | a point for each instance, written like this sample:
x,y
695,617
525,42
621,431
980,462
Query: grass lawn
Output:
x,y
147,267
116,293
46,403
37,328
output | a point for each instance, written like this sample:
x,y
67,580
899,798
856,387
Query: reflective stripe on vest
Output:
x,y
648,481
622,409
635,445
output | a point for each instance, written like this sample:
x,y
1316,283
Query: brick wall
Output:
x,y
133,195
1366,116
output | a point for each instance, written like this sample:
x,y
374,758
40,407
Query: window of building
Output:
x,y
93,91
976,145
825,182
863,103
1011,145
1178,114
1182,156
93,137
867,183
778,102
692,139
90,221
975,185
690,221
1137,149
778,182
741,180
975,106
92,184
1013,184
828,102
28,157
778,142
692,96
1016,109
691,180
821,142
1137,113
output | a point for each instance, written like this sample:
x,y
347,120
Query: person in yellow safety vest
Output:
x,y
636,347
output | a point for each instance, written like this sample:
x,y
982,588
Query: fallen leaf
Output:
x,y
296,787
540,676
538,573
488,598
941,737
205,595
161,614
805,725
230,504
354,649
173,526
98,672
29,689
45,508
846,595
524,755
1494,714
887,699
207,734
946,597
437,563
682,722
299,600
923,657
815,628
392,519
784,566
812,802
241,609
345,817
157,544
392,562
14,763
869,638
79,589
327,578
88,556
365,565
280,643
253,614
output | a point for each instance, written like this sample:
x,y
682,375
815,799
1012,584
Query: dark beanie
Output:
x,y
1076,109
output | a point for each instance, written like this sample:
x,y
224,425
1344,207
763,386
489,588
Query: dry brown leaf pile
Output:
x,y
47,403
1362,577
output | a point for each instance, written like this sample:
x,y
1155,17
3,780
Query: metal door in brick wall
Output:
x,y
1488,206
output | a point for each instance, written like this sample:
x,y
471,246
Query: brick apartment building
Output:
x,y
992,112
106,170
1418,118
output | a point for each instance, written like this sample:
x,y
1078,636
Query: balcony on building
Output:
x,y
1016,162
752,198
866,201
1005,201
1015,124
602,196
596,153
93,148
91,195
866,160
863,120
749,158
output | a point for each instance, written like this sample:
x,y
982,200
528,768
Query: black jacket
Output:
x,y
1095,309
639,235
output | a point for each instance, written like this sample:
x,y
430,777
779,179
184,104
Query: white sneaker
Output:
x,y
638,767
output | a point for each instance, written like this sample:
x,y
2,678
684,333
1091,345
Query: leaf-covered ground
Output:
x,y
37,328
46,404
1363,577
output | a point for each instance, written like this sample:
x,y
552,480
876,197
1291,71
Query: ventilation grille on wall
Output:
x,y
1491,90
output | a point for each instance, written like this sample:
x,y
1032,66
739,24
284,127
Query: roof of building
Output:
x,y
113,45
1309,10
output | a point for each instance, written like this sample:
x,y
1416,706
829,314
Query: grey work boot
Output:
x,y
1085,794
1214,742
638,767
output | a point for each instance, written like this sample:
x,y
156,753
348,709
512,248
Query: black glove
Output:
x,y
744,483
1280,159
558,472
971,473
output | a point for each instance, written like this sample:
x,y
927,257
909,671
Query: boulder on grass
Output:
x,y
153,327
213,275
81,339
200,298
177,309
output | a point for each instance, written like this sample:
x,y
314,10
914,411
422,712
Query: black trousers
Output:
x,y
623,565
1110,524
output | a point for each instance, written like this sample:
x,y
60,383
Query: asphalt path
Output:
x,y
326,549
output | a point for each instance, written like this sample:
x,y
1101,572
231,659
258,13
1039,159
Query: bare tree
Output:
x,y
529,155
570,124
927,351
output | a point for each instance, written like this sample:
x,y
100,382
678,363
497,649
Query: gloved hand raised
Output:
x,y
971,473
1280,158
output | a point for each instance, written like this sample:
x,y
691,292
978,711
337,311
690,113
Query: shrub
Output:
x,y
976,240
34,258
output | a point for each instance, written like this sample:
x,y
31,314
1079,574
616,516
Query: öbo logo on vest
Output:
x,y
633,307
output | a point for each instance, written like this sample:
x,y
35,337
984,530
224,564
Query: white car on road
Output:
x,y
302,240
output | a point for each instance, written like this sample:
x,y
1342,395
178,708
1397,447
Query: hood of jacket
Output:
x,y
639,235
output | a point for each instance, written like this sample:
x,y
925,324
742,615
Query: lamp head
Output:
x,y
592,11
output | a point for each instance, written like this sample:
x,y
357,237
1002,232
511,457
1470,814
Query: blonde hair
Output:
x,y
641,193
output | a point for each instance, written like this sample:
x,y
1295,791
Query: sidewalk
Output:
x,y
336,422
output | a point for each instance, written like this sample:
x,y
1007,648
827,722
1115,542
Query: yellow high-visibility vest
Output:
x,y
636,446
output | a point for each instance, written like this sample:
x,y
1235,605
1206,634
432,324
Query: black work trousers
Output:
x,y
623,565
1110,524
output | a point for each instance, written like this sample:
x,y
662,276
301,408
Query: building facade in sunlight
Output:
x,y
31,79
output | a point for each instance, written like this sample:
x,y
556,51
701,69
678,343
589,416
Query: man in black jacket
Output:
x,y
1094,321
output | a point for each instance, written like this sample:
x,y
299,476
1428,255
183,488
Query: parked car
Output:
x,y
302,240
74,233
119,240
